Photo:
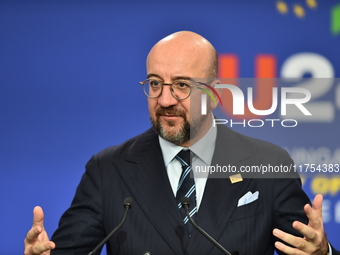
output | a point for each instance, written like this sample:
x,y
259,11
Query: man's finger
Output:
x,y
317,202
315,214
32,234
305,230
298,242
38,217
290,239
287,250
42,247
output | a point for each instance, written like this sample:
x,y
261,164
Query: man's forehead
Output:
x,y
179,48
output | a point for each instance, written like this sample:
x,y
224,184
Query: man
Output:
x,y
148,168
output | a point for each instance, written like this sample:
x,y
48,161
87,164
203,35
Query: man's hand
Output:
x,y
314,240
36,241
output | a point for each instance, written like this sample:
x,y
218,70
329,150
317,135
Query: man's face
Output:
x,y
171,118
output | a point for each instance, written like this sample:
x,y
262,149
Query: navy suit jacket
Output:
x,y
136,169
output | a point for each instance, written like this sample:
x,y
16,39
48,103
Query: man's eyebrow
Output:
x,y
153,75
182,78
174,78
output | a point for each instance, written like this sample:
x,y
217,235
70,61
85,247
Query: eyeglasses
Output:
x,y
180,89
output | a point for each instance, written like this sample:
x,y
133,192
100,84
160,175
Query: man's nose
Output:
x,y
166,99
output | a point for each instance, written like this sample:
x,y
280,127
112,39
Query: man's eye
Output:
x,y
182,85
155,84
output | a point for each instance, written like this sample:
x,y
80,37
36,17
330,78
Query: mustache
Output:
x,y
170,111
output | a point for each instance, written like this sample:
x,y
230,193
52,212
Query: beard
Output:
x,y
172,134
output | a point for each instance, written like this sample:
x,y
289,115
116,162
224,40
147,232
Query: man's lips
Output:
x,y
170,116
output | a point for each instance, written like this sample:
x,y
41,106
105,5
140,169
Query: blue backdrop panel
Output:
x,y
69,88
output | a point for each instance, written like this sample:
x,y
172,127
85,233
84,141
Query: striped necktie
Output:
x,y
186,187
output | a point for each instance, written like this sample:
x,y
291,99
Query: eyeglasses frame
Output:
x,y
166,84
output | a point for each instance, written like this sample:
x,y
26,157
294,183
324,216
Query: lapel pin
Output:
x,y
235,178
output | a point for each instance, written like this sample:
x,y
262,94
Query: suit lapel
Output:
x,y
220,195
145,175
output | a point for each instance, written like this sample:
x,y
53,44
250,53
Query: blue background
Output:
x,y
69,73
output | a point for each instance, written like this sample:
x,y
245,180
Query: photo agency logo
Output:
x,y
292,98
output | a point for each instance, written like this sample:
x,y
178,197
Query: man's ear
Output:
x,y
217,97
